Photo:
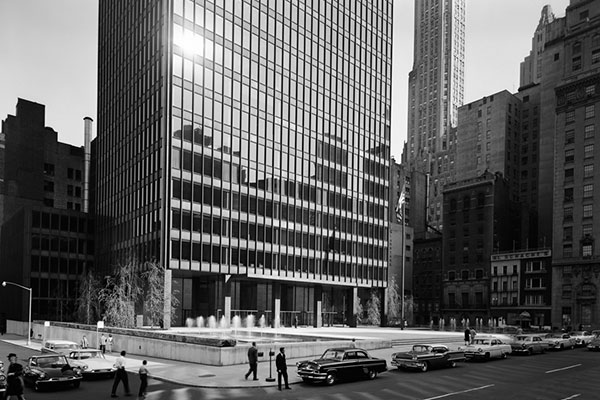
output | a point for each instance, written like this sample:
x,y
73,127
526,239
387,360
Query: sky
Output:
x,y
48,54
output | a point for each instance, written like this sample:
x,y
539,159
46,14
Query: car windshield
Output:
x,y
485,342
50,362
333,354
523,338
554,336
580,333
65,346
420,348
83,355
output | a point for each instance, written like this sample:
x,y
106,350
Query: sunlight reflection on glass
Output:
x,y
189,42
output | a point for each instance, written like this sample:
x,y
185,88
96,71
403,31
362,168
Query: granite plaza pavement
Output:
x,y
232,376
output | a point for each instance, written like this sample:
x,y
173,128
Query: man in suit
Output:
x,y
253,361
281,366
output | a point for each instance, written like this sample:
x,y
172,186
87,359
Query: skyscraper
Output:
x,y
245,146
436,90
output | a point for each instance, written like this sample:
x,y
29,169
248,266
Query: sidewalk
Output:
x,y
208,376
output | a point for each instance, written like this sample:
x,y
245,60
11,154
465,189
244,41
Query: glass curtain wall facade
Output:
x,y
274,141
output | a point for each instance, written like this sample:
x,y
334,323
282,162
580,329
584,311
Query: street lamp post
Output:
x,y
29,320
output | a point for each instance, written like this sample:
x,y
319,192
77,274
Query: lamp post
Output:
x,y
29,320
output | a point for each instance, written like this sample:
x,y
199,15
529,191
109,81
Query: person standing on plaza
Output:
x,y
84,342
14,379
253,361
143,380
120,375
109,342
467,336
281,365
103,343
473,333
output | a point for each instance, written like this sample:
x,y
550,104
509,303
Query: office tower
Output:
x,y
436,90
576,180
46,240
245,146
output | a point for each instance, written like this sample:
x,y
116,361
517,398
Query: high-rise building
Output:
x,y
435,91
245,147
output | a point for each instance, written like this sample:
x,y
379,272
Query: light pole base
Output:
x,y
269,379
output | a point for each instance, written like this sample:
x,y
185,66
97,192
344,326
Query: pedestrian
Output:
x,y
103,343
109,343
473,333
84,342
143,380
467,336
120,375
281,366
252,361
2,324
14,379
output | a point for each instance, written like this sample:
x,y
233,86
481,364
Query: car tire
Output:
x,y
452,364
504,355
562,346
572,347
306,380
529,351
330,379
425,367
372,374
486,357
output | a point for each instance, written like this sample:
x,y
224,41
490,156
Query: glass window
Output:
x,y
588,210
590,111
588,190
588,150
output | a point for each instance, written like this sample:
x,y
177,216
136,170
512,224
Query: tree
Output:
x,y
394,314
154,293
120,295
359,311
373,309
88,302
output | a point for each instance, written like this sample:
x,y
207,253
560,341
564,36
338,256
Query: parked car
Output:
x,y
92,363
341,363
425,356
50,370
529,344
486,348
582,338
559,341
2,380
57,346
594,344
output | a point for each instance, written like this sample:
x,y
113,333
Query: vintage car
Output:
x,y
484,348
2,380
50,370
559,341
57,346
582,338
92,363
425,356
529,344
341,363
594,344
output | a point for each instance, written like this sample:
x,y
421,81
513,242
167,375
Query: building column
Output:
x,y
383,307
276,305
227,299
317,307
167,299
352,307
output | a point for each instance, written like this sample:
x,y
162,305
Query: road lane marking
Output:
x,y
461,392
572,397
562,369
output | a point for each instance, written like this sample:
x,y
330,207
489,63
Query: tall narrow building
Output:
x,y
436,90
244,145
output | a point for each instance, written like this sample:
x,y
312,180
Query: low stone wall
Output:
x,y
188,348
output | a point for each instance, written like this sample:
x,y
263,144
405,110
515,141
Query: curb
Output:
x,y
205,386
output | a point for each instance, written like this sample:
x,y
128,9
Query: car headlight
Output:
x,y
43,375
480,350
83,366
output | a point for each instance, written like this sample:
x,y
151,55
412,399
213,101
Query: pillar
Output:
x,y
276,305
352,307
383,306
227,299
167,300
317,307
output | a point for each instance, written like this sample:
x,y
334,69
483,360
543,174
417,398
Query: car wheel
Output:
x,y
330,379
562,346
504,355
487,356
529,351
306,380
452,364
572,346
425,367
583,343
372,374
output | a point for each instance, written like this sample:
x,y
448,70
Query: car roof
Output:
x,y
59,341
85,351
48,356
344,349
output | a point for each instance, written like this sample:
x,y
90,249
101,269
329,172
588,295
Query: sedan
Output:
x,y
582,338
486,348
560,341
91,363
341,363
529,344
50,370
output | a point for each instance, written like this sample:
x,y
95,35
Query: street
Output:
x,y
562,375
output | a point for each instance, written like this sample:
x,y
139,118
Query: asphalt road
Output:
x,y
564,375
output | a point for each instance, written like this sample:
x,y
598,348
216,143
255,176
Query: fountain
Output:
x,y
262,322
212,322
200,322
223,323
236,323
250,324
189,322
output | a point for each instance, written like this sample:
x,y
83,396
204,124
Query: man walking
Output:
x,y
467,336
103,343
143,380
109,342
14,379
84,342
120,375
281,366
253,361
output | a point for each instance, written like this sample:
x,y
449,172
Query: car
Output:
x,y
425,356
486,348
337,364
594,344
92,363
582,338
559,341
529,344
50,370
2,380
57,346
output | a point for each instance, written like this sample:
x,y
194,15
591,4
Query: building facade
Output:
x,y
245,146
575,264
435,91
521,287
427,279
